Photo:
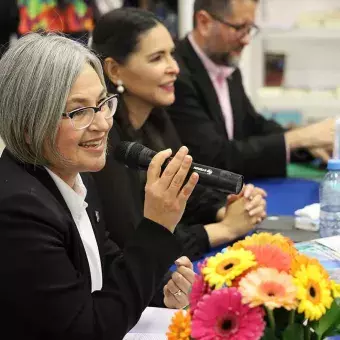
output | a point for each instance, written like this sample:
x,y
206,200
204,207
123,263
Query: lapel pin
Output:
x,y
97,216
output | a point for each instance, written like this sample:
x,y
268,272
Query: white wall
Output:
x,y
310,63
185,17
284,12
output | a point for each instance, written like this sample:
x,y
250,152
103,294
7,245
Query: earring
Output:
x,y
120,87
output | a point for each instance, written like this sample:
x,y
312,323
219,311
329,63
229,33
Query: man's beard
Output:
x,y
225,59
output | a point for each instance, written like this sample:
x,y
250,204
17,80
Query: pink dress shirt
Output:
x,y
218,75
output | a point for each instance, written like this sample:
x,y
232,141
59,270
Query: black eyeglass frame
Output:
x,y
238,28
96,109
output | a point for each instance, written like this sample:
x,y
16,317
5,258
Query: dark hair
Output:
x,y
216,7
118,32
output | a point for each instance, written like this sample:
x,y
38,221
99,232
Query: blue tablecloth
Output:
x,y
286,195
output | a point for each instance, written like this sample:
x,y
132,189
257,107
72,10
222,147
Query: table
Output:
x,y
279,201
306,171
286,195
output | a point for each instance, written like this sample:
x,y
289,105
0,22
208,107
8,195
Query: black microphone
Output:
x,y
138,156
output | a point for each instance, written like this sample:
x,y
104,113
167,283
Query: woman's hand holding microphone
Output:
x,y
166,194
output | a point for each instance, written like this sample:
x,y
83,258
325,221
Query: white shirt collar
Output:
x,y
74,197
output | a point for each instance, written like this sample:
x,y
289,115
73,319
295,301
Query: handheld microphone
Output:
x,y
138,156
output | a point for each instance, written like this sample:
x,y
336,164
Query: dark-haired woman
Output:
x,y
137,52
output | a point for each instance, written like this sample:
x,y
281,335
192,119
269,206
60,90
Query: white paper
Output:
x,y
153,324
149,336
332,242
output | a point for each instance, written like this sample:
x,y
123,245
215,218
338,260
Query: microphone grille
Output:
x,y
128,153
235,181
239,184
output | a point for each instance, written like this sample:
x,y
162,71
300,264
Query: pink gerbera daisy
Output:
x,y
198,290
221,315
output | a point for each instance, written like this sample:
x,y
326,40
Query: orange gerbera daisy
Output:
x,y
180,328
271,256
236,282
269,287
301,260
284,243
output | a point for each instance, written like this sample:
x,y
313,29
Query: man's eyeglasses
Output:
x,y
241,30
83,117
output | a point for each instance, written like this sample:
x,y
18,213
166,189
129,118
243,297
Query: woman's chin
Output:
x,y
164,102
96,166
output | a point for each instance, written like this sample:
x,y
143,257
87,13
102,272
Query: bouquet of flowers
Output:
x,y
260,288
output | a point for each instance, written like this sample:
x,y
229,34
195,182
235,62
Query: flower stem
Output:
x,y
292,316
307,332
271,319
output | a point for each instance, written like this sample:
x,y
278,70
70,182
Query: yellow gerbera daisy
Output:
x,y
180,328
314,292
284,243
301,260
221,269
335,289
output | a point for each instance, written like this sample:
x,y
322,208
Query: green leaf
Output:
x,y
294,331
331,333
330,320
269,335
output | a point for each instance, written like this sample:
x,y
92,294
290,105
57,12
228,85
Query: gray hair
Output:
x,y
36,77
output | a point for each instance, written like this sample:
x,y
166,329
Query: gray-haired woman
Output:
x,y
60,277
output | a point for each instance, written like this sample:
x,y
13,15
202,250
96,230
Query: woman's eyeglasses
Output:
x,y
83,117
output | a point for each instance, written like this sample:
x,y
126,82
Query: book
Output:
x,y
274,69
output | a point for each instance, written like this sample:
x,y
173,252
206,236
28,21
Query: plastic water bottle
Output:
x,y
330,200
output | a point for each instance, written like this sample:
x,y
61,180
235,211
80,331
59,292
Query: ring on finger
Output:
x,y
178,293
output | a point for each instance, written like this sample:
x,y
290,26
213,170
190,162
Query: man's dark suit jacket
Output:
x,y
258,148
45,282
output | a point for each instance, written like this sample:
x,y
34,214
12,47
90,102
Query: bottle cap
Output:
x,y
333,164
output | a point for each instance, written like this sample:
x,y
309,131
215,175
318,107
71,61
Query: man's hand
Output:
x,y
321,153
316,135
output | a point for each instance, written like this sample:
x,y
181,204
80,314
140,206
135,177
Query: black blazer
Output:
x,y
258,148
45,285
